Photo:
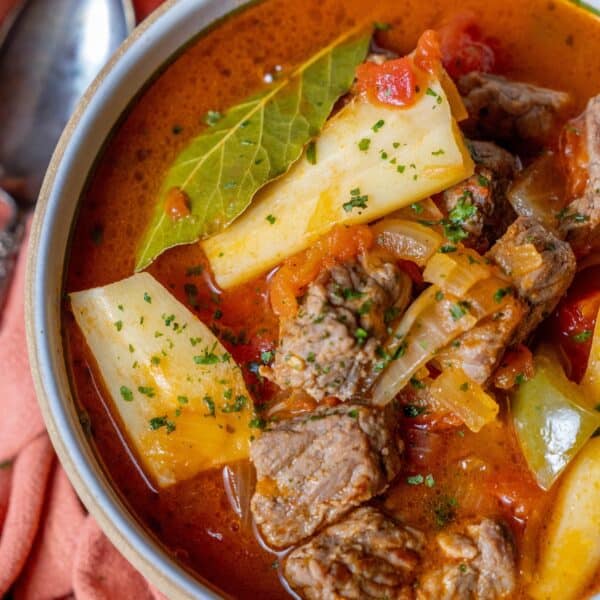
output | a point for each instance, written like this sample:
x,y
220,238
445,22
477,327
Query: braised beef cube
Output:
x,y
330,346
580,221
365,556
480,201
477,562
505,110
316,467
541,266
493,157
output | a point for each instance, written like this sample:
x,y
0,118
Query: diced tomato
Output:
x,y
340,244
575,318
574,156
463,47
412,270
392,82
396,82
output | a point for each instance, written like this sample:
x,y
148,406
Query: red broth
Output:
x,y
546,42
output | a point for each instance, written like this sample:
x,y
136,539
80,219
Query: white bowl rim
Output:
x,y
148,49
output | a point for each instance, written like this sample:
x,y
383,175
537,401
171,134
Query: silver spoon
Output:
x,y
48,57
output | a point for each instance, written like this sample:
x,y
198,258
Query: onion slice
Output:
x,y
432,321
407,240
456,392
239,480
456,272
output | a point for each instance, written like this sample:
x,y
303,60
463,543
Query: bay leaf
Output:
x,y
221,169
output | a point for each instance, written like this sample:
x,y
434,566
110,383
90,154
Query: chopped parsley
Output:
x,y
311,153
353,413
257,423
159,422
182,399
311,357
210,405
417,383
447,248
444,510
412,410
147,391
429,480
417,208
464,386
126,393
364,144
271,219
520,378
155,360
458,311
464,209
118,325
582,336
365,307
350,294
390,314
415,479
438,152
266,356
208,358
360,334
483,180
378,125
356,200
236,406
401,168
501,293
439,295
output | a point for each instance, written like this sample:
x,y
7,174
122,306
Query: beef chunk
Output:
x,y
478,563
479,350
493,157
366,556
580,222
485,190
506,110
314,468
540,265
331,344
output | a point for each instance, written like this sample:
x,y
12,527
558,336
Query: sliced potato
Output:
x,y
370,160
178,392
570,551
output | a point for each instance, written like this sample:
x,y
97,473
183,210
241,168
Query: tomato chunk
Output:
x,y
464,48
575,318
392,82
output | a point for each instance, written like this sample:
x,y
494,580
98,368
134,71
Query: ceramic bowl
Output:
x,y
149,48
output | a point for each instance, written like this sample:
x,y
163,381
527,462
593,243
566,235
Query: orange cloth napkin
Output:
x,y
49,547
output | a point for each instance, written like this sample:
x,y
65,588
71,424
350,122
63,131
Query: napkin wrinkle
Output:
x,y
21,419
29,476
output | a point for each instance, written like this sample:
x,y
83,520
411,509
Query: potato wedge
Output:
x,y
370,160
180,396
570,550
